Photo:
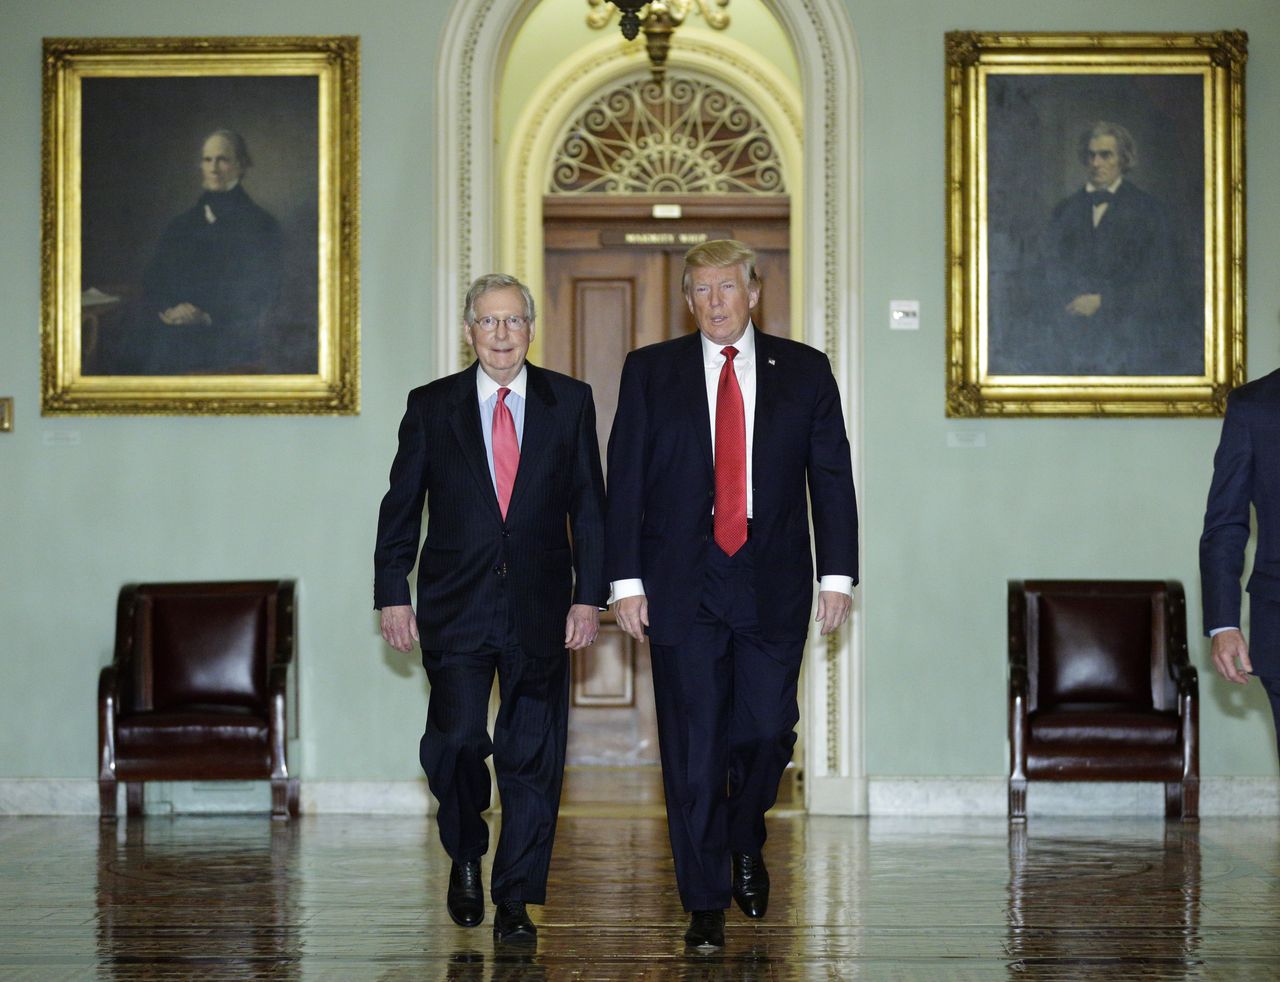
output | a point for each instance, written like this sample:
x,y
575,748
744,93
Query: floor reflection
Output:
x,y
211,898
1126,904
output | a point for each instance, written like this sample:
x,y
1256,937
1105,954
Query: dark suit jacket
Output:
x,y
662,482
468,546
1246,469
1149,321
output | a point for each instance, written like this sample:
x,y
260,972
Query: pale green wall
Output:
x,y
946,528
189,497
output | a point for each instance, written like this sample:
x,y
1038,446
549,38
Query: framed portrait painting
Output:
x,y
1095,223
200,206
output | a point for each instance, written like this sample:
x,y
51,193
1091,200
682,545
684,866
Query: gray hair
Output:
x,y
238,146
1126,146
487,284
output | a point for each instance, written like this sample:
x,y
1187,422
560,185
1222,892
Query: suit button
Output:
x,y
506,533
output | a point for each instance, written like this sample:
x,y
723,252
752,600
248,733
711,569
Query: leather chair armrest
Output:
x,y
286,624
108,706
277,718
1017,624
1187,679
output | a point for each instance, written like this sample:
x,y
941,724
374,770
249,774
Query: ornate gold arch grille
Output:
x,y
677,136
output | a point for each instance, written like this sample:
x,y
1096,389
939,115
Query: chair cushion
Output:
x,y
1094,648
199,742
1103,723
209,648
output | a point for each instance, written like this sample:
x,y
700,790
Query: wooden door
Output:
x,y
612,283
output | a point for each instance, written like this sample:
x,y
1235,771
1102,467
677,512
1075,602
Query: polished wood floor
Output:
x,y
351,897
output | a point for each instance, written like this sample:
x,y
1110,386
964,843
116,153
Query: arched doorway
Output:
x,y
469,240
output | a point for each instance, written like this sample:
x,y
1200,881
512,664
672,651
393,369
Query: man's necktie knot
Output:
x,y
1101,197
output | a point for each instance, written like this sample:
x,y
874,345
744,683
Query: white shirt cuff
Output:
x,y
621,589
1219,630
834,583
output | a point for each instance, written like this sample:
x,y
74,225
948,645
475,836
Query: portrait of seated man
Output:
x,y
209,284
1115,296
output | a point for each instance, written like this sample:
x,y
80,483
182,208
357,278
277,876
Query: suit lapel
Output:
x,y
766,398
464,419
539,407
691,386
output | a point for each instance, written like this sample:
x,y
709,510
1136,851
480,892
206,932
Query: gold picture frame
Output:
x,y
200,205
1066,298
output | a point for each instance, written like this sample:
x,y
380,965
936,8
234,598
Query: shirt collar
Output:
x,y
1090,186
486,387
746,346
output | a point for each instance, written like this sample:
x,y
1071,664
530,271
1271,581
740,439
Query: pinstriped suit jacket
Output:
x,y
1246,469
469,552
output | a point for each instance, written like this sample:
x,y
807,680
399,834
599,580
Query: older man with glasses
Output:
x,y
511,574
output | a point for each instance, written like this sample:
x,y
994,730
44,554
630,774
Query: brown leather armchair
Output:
x,y
198,689
1101,689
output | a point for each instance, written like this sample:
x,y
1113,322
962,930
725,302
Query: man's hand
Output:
x,y
833,609
1230,648
632,614
581,626
399,627
1085,305
186,313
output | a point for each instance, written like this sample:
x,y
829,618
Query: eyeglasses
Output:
x,y
489,323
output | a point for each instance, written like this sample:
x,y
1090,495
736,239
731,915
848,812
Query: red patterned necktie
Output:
x,y
506,450
731,460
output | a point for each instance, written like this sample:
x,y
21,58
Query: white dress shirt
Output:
x,y
487,393
744,367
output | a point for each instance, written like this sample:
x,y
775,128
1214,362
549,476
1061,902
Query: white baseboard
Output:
x,y
906,796
988,796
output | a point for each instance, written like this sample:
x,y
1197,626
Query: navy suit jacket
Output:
x,y
662,483
469,550
1246,469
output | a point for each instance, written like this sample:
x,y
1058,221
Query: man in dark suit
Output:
x,y
1115,277
506,458
707,531
1246,470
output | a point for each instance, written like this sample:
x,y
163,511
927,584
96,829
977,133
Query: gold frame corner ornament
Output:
x,y
972,58
334,389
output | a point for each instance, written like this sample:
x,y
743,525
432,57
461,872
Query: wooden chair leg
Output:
x,y
106,800
1017,800
133,794
294,798
1190,801
284,798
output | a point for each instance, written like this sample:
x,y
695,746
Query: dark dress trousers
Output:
x,y
493,596
1246,470
726,633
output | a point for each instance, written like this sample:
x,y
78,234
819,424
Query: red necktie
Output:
x,y
731,460
506,450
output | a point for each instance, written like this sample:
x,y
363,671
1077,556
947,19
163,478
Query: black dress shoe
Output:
x,y
750,883
511,924
706,929
466,894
